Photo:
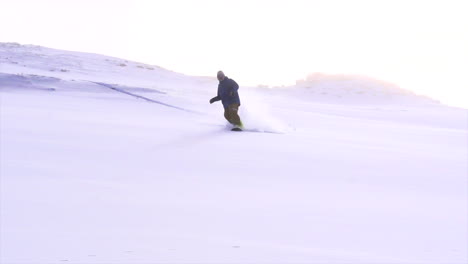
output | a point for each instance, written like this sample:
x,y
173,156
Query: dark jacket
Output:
x,y
227,92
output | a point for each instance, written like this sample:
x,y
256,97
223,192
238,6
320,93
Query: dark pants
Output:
x,y
230,113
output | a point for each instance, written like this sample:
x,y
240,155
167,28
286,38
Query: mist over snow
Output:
x,y
106,160
353,89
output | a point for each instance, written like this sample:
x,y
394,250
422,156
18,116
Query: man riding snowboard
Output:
x,y
227,93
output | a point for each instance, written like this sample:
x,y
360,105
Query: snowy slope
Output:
x,y
29,59
102,163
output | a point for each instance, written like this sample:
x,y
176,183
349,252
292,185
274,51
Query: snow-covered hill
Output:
x,y
104,160
30,60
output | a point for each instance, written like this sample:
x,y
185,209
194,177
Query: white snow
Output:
x,y
91,174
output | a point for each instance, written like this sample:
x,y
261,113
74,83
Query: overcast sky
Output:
x,y
420,45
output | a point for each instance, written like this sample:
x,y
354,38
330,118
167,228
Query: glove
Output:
x,y
212,100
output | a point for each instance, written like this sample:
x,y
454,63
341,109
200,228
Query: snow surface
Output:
x,y
104,160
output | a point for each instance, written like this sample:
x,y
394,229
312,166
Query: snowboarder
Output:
x,y
227,93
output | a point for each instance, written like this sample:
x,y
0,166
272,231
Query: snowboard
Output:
x,y
236,129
